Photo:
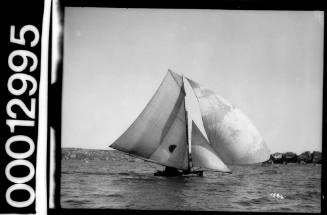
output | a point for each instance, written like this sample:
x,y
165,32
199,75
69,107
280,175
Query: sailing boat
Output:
x,y
186,127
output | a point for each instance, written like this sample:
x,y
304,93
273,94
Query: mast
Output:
x,y
188,136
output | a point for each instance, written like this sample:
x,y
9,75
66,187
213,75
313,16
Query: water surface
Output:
x,y
128,183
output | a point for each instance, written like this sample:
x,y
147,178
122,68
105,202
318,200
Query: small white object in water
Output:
x,y
277,195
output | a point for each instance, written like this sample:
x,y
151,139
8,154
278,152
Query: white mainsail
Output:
x,y
159,132
172,133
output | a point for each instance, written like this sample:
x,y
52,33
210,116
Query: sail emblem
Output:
x,y
166,133
172,148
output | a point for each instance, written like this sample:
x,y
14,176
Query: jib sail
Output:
x,y
203,155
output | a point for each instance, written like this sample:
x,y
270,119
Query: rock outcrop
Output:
x,y
276,157
316,157
290,157
305,157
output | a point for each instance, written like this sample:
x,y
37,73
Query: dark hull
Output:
x,y
165,174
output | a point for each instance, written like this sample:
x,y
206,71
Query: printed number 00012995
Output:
x,y
25,63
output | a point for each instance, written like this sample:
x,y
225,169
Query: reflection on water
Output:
x,y
131,185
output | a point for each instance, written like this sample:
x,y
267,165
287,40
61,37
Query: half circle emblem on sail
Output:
x,y
159,133
203,155
231,134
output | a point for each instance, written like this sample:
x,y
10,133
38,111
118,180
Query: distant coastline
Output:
x,y
306,157
99,154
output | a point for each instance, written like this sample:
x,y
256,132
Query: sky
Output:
x,y
269,64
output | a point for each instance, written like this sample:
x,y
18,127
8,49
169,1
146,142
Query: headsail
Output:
x,y
159,132
203,154
230,132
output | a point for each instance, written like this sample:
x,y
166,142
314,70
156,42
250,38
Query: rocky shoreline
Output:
x,y
104,155
306,157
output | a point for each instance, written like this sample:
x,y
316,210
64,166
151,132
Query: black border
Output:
x,y
54,112
55,90
30,13
204,4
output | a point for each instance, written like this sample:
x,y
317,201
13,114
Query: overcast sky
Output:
x,y
267,63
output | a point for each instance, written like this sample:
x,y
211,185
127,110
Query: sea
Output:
x,y
123,182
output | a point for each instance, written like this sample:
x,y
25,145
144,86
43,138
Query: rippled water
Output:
x,y
130,184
